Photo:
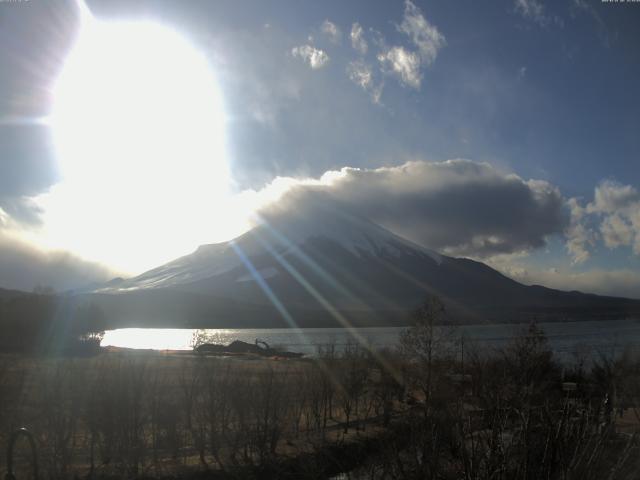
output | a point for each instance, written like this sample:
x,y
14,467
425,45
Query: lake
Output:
x,y
567,339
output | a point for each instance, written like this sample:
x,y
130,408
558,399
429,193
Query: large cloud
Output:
x,y
24,267
458,207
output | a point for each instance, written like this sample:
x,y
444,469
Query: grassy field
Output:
x,y
416,413
144,413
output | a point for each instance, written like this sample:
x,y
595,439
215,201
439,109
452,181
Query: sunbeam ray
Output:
x,y
271,296
335,313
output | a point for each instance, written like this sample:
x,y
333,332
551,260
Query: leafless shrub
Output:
x,y
125,416
117,414
59,400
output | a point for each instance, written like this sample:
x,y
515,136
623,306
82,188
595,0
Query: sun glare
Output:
x,y
138,125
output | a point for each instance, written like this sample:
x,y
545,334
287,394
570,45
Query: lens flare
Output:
x,y
138,125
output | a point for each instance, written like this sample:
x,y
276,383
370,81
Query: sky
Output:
x,y
505,131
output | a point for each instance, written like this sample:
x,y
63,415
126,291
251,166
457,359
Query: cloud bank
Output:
x,y
458,207
24,267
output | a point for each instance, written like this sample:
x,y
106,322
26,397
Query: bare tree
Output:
x,y
426,343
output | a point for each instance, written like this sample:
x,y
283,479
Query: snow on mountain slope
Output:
x,y
356,234
278,233
315,264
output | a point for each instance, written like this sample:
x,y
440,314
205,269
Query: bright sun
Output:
x,y
138,125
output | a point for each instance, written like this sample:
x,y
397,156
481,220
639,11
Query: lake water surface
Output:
x,y
567,339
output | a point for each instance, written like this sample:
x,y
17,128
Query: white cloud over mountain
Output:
x,y
458,207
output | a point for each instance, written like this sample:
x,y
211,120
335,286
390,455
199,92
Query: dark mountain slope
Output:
x,y
326,267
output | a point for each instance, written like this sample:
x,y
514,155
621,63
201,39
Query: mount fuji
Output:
x,y
320,265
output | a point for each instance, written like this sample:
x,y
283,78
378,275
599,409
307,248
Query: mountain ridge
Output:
x,y
324,266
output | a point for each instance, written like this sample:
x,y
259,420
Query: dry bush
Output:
x,y
142,415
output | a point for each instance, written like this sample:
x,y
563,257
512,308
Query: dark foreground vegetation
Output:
x,y
426,411
44,323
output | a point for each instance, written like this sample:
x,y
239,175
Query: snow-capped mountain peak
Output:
x,y
283,232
